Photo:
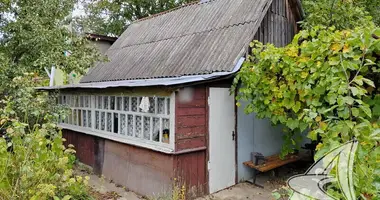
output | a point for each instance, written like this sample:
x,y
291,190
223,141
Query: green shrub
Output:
x,y
39,167
34,163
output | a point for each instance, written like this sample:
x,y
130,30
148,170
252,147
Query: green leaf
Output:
x,y
67,197
345,113
376,110
358,80
369,82
329,109
313,115
276,195
296,107
355,112
366,110
354,90
348,100
292,124
313,135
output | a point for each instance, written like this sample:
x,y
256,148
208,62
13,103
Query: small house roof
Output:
x,y
196,39
99,37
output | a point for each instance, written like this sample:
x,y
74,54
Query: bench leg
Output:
x,y
254,179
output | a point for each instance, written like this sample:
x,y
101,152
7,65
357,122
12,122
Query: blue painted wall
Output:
x,y
255,135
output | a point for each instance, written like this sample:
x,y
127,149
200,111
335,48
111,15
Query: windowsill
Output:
x,y
164,148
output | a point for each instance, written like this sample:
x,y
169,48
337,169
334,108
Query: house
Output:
x,y
101,42
160,111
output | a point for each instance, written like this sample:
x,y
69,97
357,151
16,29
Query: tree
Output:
x,y
34,37
112,17
325,83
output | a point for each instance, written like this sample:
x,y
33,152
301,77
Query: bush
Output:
x,y
34,163
38,166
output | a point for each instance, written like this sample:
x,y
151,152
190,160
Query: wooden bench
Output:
x,y
269,163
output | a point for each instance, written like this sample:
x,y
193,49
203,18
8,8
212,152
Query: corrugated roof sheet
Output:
x,y
197,39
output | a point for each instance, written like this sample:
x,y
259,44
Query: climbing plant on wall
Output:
x,y
326,82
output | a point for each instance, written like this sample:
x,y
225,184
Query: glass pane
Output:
x,y
126,103
87,101
66,119
105,103
165,132
112,103
68,100
130,125
147,128
81,101
97,119
99,102
76,101
103,121
116,123
89,119
75,117
161,105
152,106
119,103
80,117
168,106
70,117
122,124
156,129
59,98
64,100
134,104
109,122
138,103
85,118
138,126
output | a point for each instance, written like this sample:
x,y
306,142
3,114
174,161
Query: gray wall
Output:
x,y
255,135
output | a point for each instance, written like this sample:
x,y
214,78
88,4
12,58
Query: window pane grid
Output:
x,y
122,116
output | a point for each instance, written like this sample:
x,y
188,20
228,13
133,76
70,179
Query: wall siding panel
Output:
x,y
191,172
190,133
190,118
279,25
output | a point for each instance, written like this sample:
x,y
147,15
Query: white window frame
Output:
x,y
141,142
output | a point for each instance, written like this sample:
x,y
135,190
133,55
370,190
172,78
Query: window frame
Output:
x,y
118,137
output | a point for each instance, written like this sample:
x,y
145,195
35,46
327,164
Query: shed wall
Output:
x,y
143,171
190,118
191,134
279,24
148,172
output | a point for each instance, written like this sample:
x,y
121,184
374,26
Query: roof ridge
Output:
x,y
197,2
194,33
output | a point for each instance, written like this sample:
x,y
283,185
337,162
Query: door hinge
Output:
x,y
233,135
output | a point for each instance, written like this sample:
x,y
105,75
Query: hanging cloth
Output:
x,y
145,104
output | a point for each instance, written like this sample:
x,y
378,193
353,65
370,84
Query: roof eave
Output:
x,y
150,82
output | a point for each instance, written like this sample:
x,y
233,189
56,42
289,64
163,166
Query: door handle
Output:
x,y
233,135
